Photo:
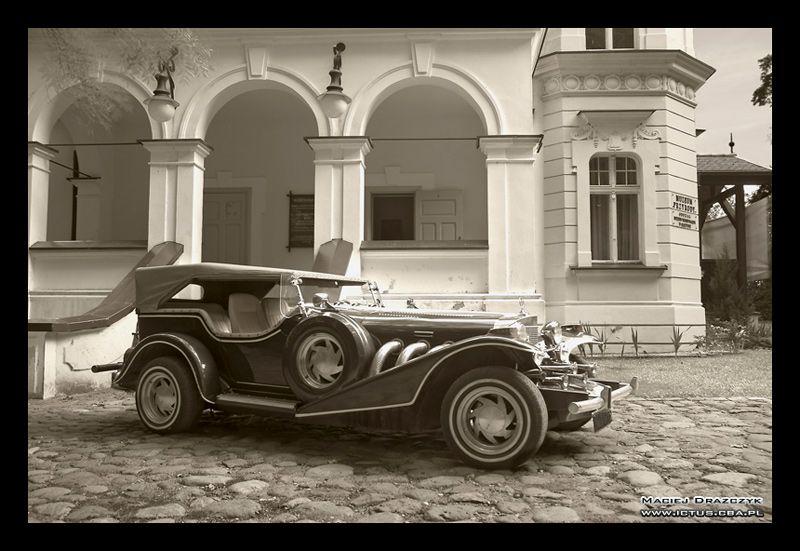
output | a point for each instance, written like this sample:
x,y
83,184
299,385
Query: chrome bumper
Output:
x,y
598,401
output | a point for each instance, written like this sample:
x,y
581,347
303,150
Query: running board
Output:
x,y
247,403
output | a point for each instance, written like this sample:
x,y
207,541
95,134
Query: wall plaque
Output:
x,y
301,220
683,211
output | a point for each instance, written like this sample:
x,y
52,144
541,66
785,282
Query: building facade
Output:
x,y
474,168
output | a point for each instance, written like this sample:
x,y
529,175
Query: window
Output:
x,y
614,208
393,217
609,38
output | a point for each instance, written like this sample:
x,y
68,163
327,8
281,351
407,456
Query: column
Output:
x,y
515,251
339,192
39,156
175,211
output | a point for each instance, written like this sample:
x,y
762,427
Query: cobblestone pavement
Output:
x,y
90,460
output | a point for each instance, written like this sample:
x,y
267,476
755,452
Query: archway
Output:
x,y
114,206
206,103
425,179
259,157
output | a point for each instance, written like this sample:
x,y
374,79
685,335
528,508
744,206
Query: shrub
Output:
x,y
722,297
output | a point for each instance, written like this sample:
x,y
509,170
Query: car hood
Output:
x,y
436,326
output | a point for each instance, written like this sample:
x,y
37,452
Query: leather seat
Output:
x,y
272,311
216,317
246,313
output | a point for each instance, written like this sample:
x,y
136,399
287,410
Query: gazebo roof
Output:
x,y
727,163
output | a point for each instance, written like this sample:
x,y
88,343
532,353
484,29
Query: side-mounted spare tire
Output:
x,y
321,356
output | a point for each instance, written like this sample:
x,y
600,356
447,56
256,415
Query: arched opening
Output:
x,y
259,158
425,178
112,205
425,198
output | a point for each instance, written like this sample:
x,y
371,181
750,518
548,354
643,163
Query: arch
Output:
x,y
449,77
46,108
205,103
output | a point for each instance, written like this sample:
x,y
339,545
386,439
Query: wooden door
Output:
x,y
439,215
226,226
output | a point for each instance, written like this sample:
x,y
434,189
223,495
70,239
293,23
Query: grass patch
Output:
x,y
723,375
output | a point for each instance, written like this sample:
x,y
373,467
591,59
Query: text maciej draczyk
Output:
x,y
669,500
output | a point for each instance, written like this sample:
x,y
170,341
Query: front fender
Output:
x,y
403,385
196,355
569,344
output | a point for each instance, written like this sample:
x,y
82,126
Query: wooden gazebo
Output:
x,y
714,174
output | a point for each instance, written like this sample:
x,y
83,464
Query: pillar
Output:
x,y
39,156
175,211
515,251
339,168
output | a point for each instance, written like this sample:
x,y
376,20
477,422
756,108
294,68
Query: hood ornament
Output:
x,y
522,310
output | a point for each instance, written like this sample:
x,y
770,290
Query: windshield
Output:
x,y
349,293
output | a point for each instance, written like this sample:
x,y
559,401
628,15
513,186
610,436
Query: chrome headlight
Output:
x,y
552,333
514,330
518,332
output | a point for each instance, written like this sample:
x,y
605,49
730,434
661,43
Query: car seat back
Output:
x,y
272,311
246,314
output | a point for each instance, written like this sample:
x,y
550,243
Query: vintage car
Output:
x,y
324,348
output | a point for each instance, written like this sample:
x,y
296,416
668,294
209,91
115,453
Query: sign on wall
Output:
x,y
684,211
301,220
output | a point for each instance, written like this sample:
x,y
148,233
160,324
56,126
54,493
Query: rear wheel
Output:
x,y
494,418
167,399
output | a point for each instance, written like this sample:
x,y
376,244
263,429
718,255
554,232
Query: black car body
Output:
x,y
323,347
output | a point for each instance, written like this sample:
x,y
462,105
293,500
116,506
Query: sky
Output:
x,y
723,102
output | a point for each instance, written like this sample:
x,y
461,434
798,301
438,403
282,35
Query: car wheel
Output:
x,y
321,358
572,425
167,399
494,418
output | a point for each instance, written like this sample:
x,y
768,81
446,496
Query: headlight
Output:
x,y
519,332
514,330
552,333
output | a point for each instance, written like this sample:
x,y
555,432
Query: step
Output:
x,y
248,403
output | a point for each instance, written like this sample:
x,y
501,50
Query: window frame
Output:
x,y
609,39
612,190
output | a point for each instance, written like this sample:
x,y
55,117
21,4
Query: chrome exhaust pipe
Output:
x,y
442,346
389,347
412,351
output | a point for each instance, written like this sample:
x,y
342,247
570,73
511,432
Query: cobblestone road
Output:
x,y
90,460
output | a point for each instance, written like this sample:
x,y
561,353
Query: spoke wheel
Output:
x,y
167,398
320,360
493,417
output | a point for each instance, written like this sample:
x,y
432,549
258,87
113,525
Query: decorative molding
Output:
x,y
422,54
644,133
615,128
257,58
617,83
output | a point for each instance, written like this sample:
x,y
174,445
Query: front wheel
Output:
x,y
494,418
167,399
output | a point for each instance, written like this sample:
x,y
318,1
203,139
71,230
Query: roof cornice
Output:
x,y
676,63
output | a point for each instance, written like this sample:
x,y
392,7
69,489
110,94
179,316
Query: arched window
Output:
x,y
614,185
609,38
